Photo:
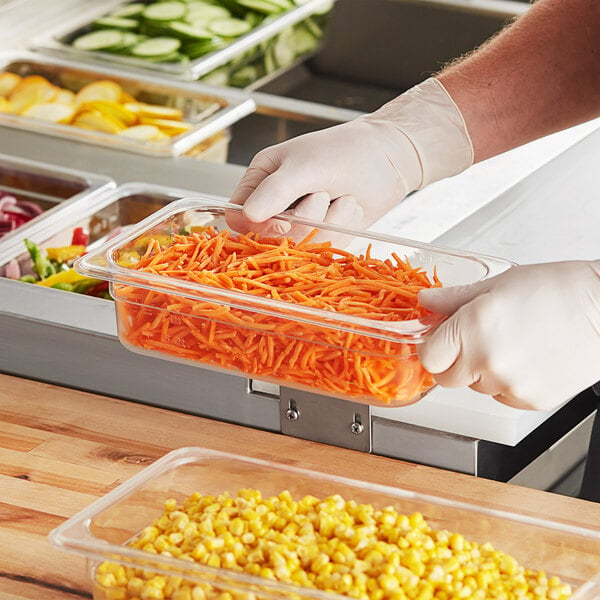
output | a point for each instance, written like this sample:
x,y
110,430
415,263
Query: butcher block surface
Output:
x,y
61,449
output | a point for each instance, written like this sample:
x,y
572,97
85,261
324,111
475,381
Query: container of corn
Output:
x,y
292,309
232,42
131,112
200,524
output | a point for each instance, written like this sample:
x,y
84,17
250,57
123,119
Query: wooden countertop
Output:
x,y
60,449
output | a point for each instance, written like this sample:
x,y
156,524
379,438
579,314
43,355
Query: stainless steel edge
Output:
x,y
97,186
422,445
284,107
109,70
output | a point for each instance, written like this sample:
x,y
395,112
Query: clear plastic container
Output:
x,y
207,112
46,186
102,531
267,38
324,351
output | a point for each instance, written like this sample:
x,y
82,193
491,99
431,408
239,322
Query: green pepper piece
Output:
x,y
42,266
28,278
83,285
63,285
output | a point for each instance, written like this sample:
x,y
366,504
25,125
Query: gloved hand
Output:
x,y
353,173
529,337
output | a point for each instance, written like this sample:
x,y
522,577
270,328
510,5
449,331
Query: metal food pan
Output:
x,y
59,42
105,215
208,110
49,187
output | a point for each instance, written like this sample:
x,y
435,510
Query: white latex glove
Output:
x,y
529,337
352,174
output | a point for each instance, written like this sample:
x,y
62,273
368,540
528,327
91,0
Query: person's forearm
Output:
x,y
538,76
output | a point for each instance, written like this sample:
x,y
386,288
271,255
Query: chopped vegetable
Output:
x,y
14,213
64,254
80,237
52,268
41,265
343,547
310,274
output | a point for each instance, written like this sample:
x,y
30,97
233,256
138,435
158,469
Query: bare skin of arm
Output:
x,y
538,76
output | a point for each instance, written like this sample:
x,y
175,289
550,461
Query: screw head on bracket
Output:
x,y
292,414
357,428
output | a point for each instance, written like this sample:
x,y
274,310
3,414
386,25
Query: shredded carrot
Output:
x,y
347,364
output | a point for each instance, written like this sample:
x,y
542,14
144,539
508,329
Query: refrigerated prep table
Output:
x,y
71,340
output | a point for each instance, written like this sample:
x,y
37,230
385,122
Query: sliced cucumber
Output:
x,y
262,6
185,31
207,13
129,40
115,23
303,40
283,4
283,49
229,27
313,27
219,77
244,76
156,47
103,39
129,10
165,11
174,57
269,61
196,49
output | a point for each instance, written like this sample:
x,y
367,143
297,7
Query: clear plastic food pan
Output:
x,y
186,40
134,112
190,525
31,191
344,323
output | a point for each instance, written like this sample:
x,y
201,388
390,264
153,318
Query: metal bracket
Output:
x,y
324,419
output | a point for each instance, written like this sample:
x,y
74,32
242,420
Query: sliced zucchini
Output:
x,y
266,7
165,11
219,77
244,76
206,13
229,27
156,48
313,27
283,4
115,23
103,39
269,61
129,10
283,49
303,41
196,49
185,31
129,40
